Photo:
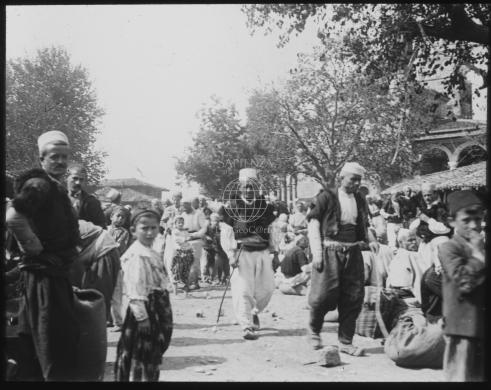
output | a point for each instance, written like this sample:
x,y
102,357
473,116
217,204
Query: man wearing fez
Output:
x,y
253,284
337,227
87,206
464,277
48,329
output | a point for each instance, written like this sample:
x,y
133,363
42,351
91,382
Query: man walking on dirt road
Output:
x,y
337,226
252,284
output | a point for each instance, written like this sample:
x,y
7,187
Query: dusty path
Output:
x,y
280,354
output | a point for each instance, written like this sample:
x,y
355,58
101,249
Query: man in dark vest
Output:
x,y
337,227
253,284
87,206
48,329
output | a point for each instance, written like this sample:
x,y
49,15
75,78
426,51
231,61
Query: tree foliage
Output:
x,y
383,37
219,150
49,93
330,114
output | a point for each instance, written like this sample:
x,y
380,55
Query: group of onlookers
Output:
x,y
429,253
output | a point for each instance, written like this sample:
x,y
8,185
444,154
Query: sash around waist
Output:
x,y
346,233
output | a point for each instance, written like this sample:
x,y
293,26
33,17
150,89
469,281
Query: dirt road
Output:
x,y
281,353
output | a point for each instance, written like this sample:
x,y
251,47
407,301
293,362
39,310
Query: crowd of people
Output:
x,y
430,254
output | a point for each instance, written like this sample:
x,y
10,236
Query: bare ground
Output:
x,y
281,353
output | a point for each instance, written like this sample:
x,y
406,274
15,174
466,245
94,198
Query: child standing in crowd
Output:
x,y
117,231
216,259
464,273
119,219
183,254
147,327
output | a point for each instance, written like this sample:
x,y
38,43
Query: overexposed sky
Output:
x,y
153,66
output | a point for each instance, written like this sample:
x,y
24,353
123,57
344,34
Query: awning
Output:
x,y
469,176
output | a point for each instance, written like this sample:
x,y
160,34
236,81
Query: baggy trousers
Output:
x,y
252,285
48,326
195,271
340,284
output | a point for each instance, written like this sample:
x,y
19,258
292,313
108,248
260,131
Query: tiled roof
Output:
x,y
128,195
473,176
130,182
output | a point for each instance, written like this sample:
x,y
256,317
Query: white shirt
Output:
x,y
349,211
195,221
142,273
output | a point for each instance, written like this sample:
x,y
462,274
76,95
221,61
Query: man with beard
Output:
x,y
87,206
337,228
48,329
253,284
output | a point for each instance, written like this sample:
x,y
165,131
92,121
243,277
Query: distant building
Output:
x,y
134,191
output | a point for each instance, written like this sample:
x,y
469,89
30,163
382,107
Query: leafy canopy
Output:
x,y
49,93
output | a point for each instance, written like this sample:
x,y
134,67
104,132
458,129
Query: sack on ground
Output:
x,y
416,343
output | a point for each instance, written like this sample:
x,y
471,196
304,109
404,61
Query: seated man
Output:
x,y
404,271
295,269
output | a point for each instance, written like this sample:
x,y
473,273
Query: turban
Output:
x,y
188,199
428,186
176,193
52,137
113,194
462,199
437,227
353,167
403,234
247,174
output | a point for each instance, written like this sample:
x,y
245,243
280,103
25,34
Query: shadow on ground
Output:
x,y
189,341
282,332
181,362
374,350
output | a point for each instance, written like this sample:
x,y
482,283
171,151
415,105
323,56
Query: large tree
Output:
x,y
47,93
220,149
384,37
330,114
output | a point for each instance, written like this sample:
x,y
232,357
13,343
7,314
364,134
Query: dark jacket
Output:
x,y
409,207
327,210
389,209
51,214
463,289
91,210
293,262
437,211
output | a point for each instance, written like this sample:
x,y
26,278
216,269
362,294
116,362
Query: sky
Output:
x,y
153,67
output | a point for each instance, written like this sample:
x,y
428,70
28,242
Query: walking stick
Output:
x,y
225,291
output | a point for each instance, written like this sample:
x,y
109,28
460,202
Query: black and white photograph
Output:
x,y
245,192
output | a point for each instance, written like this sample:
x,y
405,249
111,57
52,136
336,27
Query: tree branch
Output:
x,y
462,27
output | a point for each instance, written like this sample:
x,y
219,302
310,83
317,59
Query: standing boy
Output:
x,y
463,264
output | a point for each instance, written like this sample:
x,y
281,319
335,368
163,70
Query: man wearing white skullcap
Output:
x,y
337,227
252,285
54,150
48,329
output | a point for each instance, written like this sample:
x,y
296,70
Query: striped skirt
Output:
x,y
140,355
